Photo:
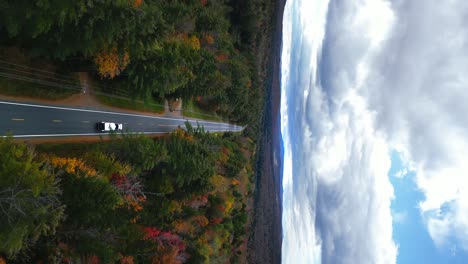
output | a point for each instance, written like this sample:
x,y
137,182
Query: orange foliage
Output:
x,y
167,255
221,57
2,260
110,63
73,165
235,182
126,260
137,3
208,39
182,227
200,220
134,205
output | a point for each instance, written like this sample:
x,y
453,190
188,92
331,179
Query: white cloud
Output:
x,y
401,173
418,88
378,76
337,193
400,217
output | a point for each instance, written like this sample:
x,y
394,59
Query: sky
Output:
x,y
375,131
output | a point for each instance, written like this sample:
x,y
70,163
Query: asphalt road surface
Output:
x,y
33,120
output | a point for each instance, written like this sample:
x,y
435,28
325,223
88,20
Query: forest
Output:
x,y
176,199
207,50
182,198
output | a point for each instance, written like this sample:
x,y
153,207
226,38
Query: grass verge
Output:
x,y
35,90
151,106
190,109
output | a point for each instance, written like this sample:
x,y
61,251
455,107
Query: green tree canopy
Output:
x,y
29,206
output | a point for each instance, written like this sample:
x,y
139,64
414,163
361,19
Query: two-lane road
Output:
x,y
34,120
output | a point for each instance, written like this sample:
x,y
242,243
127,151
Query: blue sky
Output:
x,y
415,243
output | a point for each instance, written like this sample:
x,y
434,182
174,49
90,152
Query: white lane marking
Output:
x,y
93,134
84,121
106,112
73,135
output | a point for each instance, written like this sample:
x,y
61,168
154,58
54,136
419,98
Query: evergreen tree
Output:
x,y
29,207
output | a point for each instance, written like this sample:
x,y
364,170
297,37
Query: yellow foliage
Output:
x,y
110,63
73,165
194,42
223,158
220,183
229,204
180,133
133,203
235,182
182,227
175,207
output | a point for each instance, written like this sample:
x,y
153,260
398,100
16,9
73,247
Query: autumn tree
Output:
x,y
111,63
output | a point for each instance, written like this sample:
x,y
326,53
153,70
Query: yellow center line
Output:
x,y
56,120
17,119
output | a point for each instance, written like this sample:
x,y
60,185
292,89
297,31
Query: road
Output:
x,y
34,120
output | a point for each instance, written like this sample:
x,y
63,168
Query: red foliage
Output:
x,y
221,208
198,201
217,220
119,180
151,233
203,2
164,238
130,189
94,260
